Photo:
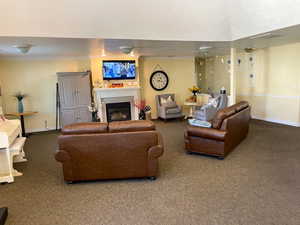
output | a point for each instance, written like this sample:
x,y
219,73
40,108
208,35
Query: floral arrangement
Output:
x,y
93,109
194,90
141,105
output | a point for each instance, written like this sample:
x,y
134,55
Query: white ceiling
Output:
x,y
75,47
251,17
116,19
72,28
67,47
188,20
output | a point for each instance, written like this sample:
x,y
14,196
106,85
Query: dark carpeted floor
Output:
x,y
258,184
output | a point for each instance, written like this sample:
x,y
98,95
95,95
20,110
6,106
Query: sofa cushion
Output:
x,y
221,115
173,110
85,128
130,126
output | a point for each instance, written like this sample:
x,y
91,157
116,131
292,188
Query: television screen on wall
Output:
x,y
119,70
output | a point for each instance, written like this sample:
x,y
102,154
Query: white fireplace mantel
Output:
x,y
103,96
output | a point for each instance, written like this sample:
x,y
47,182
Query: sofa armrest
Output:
x,y
62,156
204,132
157,150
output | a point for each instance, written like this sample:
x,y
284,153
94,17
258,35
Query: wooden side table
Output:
x,y
21,116
192,106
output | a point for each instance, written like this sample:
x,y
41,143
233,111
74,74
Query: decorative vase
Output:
x,y
142,115
20,106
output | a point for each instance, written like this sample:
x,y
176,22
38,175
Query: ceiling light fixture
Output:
x,y
126,49
249,50
23,48
203,48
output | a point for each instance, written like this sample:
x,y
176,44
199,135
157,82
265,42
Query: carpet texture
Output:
x,y
257,184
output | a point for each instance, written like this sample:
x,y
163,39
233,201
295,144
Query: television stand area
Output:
x,y
3,215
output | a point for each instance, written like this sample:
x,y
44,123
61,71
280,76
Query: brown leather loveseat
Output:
x,y
92,151
229,127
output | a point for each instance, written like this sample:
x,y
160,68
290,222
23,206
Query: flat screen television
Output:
x,y
119,70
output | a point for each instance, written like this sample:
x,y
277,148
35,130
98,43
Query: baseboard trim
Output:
x,y
37,130
284,122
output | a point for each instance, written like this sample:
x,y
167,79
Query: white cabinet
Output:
x,y
75,97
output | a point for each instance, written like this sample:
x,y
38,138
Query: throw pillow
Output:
x,y
169,99
199,123
214,102
163,100
168,102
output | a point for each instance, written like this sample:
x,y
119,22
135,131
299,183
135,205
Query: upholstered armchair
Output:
x,y
167,107
209,110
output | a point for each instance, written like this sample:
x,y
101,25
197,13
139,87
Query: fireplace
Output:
x,y
105,96
118,111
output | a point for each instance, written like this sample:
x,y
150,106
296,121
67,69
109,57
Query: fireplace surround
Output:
x,y
104,96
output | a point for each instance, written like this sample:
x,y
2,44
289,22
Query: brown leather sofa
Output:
x,y
93,151
229,127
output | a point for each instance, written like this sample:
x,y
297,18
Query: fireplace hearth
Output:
x,y
118,111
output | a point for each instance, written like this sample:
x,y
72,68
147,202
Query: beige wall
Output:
x,y
37,78
1,90
181,72
274,91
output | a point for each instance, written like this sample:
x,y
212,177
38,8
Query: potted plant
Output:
x,y
93,109
194,91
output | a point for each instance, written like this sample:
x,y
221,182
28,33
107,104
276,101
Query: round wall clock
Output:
x,y
159,80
